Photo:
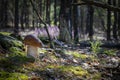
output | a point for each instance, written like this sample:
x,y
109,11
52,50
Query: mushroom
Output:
x,y
32,43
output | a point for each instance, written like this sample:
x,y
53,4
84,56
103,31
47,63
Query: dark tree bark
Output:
x,y
4,13
75,22
40,7
1,13
55,15
48,11
81,22
109,22
27,13
115,22
101,16
70,21
16,29
63,19
22,16
89,23
119,19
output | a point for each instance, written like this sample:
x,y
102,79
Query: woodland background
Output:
x,y
82,39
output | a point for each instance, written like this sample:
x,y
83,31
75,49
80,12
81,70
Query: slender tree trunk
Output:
x,y
1,13
48,11
119,19
89,25
75,22
81,22
101,16
64,31
70,21
33,19
40,8
109,22
22,16
16,29
55,15
6,13
115,22
22,20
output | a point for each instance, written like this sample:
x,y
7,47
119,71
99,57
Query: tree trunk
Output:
x,y
1,13
22,16
64,30
101,16
81,22
75,22
48,11
4,13
89,24
55,15
40,8
115,22
109,22
119,19
16,29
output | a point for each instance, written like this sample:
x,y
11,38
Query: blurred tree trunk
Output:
x,y
115,22
81,22
3,13
101,16
48,11
22,20
55,15
28,12
109,22
119,19
75,22
6,13
89,23
16,29
70,21
22,16
40,8
63,19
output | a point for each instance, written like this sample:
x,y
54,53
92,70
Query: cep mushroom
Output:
x,y
32,43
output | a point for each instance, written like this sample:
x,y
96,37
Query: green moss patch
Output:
x,y
7,42
12,76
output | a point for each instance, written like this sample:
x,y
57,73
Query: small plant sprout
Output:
x,y
95,46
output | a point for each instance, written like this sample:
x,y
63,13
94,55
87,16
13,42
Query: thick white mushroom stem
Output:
x,y
32,51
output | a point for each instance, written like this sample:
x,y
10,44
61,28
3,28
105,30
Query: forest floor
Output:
x,y
70,62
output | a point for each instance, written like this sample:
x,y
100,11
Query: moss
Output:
x,y
76,70
76,54
96,76
12,76
20,58
110,52
5,33
16,50
8,41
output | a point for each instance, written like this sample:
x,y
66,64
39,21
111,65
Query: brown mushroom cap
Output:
x,y
33,41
